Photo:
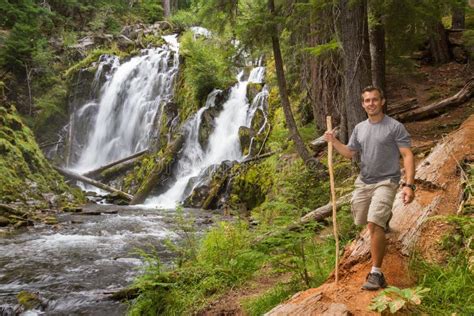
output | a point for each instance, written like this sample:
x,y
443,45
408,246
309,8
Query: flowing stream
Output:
x,y
75,265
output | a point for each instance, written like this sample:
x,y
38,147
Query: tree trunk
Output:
x,y
354,37
93,182
99,170
160,170
439,44
166,8
458,17
285,101
323,79
377,54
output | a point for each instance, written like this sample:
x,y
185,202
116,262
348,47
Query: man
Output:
x,y
378,141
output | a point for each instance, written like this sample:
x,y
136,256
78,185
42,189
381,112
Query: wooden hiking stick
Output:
x,y
333,197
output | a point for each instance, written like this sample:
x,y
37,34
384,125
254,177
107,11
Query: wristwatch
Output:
x,y
411,186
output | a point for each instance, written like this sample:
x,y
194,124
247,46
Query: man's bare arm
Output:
x,y
340,147
409,164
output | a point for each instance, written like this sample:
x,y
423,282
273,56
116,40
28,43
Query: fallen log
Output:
x,y
319,144
324,211
259,157
437,108
116,171
317,215
401,107
99,170
100,185
161,169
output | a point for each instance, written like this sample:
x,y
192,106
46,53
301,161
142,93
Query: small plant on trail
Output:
x,y
393,299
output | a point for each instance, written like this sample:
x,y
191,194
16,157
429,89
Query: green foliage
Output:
x,y
25,171
150,10
224,258
92,56
321,50
447,280
51,109
184,19
264,303
207,65
394,299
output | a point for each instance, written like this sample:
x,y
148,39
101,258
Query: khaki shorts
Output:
x,y
373,202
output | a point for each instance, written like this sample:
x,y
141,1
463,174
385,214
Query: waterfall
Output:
x,y
223,144
257,75
129,103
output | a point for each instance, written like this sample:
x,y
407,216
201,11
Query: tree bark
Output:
x,y
458,17
323,77
166,8
285,101
160,170
97,171
377,54
356,55
439,44
434,109
93,182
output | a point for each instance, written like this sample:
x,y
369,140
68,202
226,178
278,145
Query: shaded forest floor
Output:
x,y
427,85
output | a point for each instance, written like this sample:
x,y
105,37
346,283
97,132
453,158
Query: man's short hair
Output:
x,y
370,89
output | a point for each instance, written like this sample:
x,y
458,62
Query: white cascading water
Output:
x,y
128,105
224,143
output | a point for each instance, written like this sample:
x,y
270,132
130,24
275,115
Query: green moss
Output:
x,y
26,173
28,300
93,56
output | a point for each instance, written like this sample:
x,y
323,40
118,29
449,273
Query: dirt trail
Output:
x,y
439,193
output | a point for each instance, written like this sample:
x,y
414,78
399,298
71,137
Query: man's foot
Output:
x,y
374,281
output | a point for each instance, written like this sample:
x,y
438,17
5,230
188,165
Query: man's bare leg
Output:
x,y
377,244
376,279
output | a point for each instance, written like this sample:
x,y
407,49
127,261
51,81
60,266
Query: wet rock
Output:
x,y
71,209
50,198
10,310
31,300
50,220
245,136
211,185
124,42
253,89
115,198
4,221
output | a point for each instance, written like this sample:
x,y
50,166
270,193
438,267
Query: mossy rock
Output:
x,y
26,174
252,90
245,137
28,300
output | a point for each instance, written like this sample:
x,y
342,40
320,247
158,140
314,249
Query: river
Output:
x,y
76,264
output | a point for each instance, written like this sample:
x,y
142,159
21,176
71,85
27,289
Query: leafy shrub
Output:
x,y
394,299
207,65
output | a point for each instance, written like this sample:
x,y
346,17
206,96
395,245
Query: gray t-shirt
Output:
x,y
378,146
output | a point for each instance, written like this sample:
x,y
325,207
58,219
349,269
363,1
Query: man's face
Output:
x,y
372,102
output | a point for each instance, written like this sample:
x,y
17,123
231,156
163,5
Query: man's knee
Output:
x,y
373,228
